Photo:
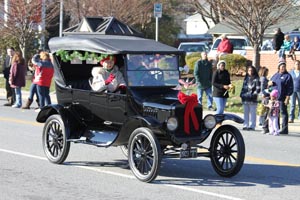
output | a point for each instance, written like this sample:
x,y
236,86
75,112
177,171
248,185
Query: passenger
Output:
x,y
108,77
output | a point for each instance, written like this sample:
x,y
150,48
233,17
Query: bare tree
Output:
x,y
23,17
254,17
209,9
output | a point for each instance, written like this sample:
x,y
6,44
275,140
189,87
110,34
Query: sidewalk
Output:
x,y
293,127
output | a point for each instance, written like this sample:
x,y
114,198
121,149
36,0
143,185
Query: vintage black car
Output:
x,y
147,120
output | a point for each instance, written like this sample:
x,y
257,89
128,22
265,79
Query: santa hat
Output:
x,y
111,57
274,93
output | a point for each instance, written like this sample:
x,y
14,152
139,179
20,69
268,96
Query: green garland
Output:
x,y
66,56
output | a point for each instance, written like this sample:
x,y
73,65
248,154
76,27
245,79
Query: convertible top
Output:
x,y
109,44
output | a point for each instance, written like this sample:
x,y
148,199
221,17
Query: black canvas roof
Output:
x,y
109,44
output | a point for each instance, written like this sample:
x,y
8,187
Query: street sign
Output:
x,y
158,10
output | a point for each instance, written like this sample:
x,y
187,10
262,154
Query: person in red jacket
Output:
x,y
43,76
225,46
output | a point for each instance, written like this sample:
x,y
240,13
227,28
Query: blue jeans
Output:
x,y
220,103
249,115
295,95
32,91
208,92
18,97
284,116
44,97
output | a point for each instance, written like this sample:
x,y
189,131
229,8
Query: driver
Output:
x,y
108,77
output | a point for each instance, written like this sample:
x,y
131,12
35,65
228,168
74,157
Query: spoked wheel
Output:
x,y
55,143
124,149
144,154
227,151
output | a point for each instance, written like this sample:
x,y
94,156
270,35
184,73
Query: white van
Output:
x,y
192,47
239,43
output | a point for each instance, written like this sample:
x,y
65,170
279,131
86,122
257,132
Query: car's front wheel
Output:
x,y
55,144
227,151
144,154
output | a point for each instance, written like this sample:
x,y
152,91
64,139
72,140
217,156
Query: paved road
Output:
x,y
271,169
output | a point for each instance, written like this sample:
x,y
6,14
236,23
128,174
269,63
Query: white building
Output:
x,y
195,25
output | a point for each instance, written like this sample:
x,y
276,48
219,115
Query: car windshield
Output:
x,y
193,47
152,70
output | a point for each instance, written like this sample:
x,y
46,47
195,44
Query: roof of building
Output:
x,y
102,26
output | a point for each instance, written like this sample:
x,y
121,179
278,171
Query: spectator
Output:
x,y
296,93
10,93
203,75
263,74
249,94
267,45
278,39
225,46
273,115
286,46
108,77
32,89
17,77
295,46
43,75
221,85
283,82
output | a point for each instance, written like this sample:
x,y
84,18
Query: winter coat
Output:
x,y
225,46
283,82
43,72
203,74
17,75
220,78
251,89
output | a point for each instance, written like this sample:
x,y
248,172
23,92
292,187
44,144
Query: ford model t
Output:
x,y
146,120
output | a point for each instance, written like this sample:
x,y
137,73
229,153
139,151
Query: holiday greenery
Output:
x,y
66,56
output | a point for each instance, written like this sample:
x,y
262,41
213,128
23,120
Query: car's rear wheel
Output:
x,y
55,144
227,150
144,154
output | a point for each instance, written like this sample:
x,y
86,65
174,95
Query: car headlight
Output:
x,y
210,121
172,124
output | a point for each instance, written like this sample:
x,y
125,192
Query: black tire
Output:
x,y
55,145
227,151
124,149
144,154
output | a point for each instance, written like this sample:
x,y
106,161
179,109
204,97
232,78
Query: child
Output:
x,y
261,109
273,115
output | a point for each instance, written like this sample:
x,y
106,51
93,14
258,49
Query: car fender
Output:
x,y
73,126
222,117
135,122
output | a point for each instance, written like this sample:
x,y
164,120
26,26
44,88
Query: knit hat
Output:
x,y
111,57
281,62
219,63
274,93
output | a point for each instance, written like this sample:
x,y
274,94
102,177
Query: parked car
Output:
x,y
147,120
191,47
239,43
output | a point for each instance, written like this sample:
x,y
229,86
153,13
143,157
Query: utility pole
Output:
x,y
5,12
61,16
43,24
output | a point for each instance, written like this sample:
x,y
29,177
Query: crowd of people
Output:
x,y
15,71
268,96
